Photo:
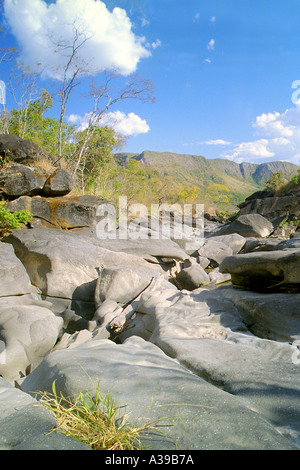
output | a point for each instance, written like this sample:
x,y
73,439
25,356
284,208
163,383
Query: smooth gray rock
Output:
x,y
28,332
14,279
154,386
123,284
216,251
150,250
64,266
290,244
263,244
269,316
264,270
192,277
218,278
27,425
205,331
234,241
250,225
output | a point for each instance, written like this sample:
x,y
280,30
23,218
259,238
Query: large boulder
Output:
x,y
156,387
65,266
147,248
263,244
14,279
17,150
65,212
28,332
122,284
275,270
216,251
26,425
267,315
20,180
250,225
275,208
234,241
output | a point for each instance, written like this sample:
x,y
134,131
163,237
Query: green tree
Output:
x,y
98,167
275,181
34,126
219,194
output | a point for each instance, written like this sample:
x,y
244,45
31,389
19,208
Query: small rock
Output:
x,y
215,251
192,278
60,183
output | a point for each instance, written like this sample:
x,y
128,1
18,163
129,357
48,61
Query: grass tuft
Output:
x,y
96,421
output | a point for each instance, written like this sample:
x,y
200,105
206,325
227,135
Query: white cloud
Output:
x,y
273,124
211,45
156,44
145,22
247,151
217,142
127,125
112,43
74,119
280,138
213,19
207,61
196,17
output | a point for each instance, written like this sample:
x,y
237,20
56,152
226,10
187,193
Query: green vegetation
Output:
x,y
96,421
13,221
276,181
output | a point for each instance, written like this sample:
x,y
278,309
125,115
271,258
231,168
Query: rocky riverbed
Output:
x,y
208,338
206,332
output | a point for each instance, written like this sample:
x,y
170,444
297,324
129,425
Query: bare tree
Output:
x,y
7,54
24,88
74,69
104,97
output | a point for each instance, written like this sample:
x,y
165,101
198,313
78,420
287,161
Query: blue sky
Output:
x,y
222,70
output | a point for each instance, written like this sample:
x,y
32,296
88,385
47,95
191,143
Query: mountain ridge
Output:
x,y
242,179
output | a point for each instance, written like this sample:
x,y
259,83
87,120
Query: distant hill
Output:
x,y
194,170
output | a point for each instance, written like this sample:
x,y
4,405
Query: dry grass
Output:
x,y
44,165
95,421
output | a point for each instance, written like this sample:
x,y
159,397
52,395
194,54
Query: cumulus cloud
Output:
x,y
125,124
280,138
247,151
38,26
274,124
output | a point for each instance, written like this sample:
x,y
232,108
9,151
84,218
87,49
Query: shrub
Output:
x,y
13,220
275,181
